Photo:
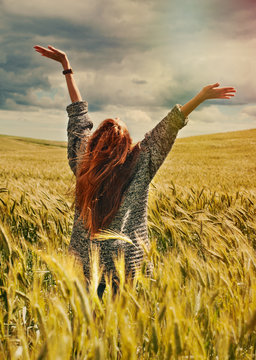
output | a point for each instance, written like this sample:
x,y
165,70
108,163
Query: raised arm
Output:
x,y
61,57
208,92
159,141
79,124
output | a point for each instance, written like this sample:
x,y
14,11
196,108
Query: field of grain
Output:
x,y
201,300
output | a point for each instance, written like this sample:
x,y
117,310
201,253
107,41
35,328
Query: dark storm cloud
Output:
x,y
15,85
22,70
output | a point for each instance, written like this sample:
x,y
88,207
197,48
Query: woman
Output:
x,y
113,176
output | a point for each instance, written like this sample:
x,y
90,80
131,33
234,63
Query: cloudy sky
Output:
x,y
133,59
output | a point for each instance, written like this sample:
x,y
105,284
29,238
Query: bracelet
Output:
x,y
68,71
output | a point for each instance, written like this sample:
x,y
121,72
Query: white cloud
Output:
x,y
210,120
250,110
40,124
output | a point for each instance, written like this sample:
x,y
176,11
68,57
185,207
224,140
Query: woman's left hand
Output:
x,y
208,92
214,92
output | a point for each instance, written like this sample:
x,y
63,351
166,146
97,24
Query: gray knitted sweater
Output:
x,y
131,218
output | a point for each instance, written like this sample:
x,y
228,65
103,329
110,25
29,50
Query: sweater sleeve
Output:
x,y
159,141
78,131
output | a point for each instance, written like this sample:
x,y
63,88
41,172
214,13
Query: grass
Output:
x,y
201,300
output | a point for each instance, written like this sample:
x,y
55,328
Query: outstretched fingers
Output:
x,y
215,92
225,92
51,52
40,48
52,48
225,97
43,51
230,89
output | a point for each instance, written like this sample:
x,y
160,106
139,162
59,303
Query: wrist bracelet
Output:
x,y
68,71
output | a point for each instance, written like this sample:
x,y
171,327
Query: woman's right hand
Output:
x,y
61,57
52,53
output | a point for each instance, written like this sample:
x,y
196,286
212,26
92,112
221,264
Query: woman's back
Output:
x,y
131,218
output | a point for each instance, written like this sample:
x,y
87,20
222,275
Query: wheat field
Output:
x,y
200,302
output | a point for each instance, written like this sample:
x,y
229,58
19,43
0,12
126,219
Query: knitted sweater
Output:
x,y
131,218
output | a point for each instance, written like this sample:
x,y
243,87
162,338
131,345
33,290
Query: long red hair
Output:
x,y
104,173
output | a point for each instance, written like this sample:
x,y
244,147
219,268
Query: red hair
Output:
x,y
104,173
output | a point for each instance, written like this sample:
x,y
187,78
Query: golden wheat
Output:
x,y
200,302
